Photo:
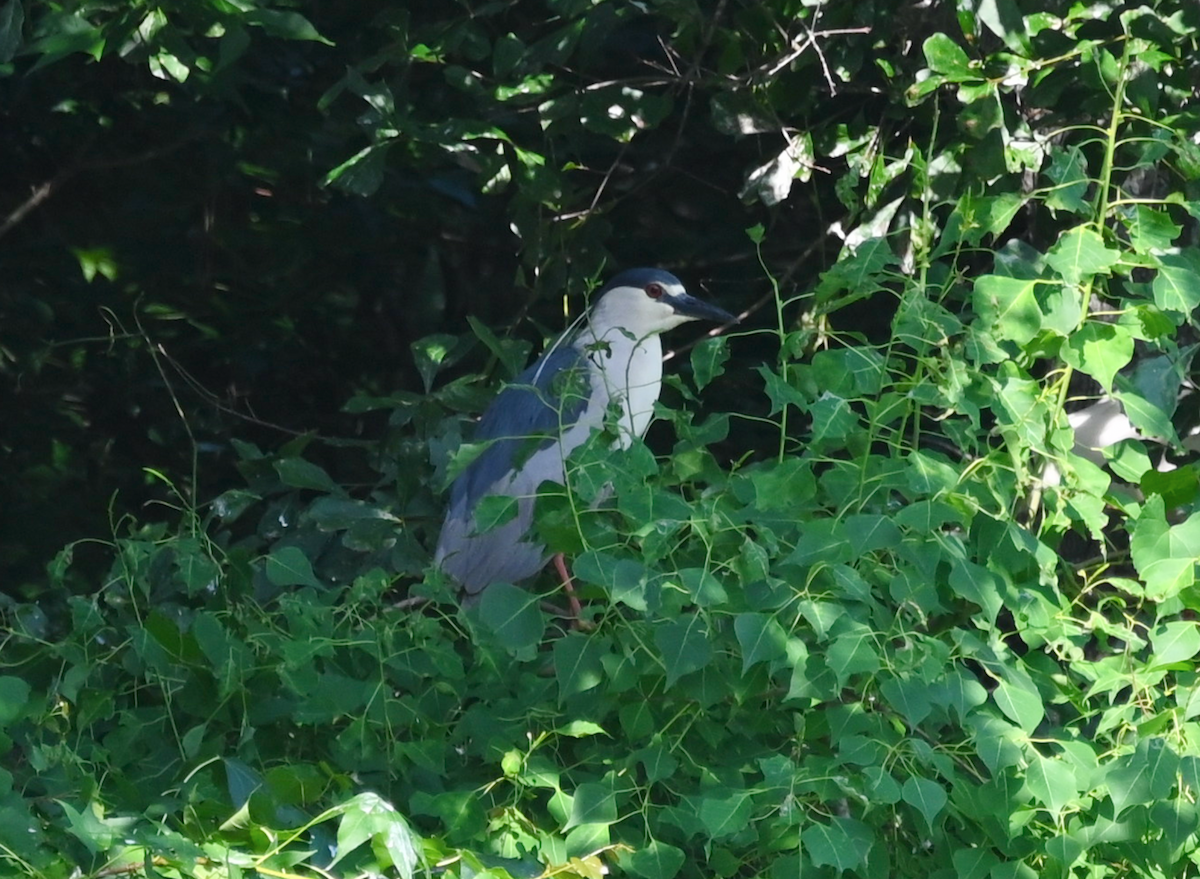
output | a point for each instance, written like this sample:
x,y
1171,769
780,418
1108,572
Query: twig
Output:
x,y
43,192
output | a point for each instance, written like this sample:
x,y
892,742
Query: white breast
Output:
x,y
628,371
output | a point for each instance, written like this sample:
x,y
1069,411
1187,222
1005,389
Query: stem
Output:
x,y
783,356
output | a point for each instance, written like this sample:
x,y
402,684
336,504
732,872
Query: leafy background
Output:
x,y
861,604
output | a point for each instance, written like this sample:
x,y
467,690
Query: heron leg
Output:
x,y
560,565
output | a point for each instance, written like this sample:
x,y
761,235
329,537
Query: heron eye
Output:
x,y
655,291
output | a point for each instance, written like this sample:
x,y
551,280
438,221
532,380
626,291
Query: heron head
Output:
x,y
649,301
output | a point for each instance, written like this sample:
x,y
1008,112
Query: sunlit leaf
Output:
x,y
1100,350
1176,287
1165,555
1008,306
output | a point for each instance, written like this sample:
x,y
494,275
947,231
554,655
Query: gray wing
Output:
x,y
521,426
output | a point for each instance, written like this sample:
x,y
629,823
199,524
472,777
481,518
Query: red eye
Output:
x,y
655,291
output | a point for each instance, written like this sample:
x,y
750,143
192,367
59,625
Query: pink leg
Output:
x,y
560,565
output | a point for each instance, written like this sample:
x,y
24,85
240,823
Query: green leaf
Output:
x,y
761,637
72,33
821,615
1176,287
1020,703
852,653
1004,19
1177,817
98,834
957,691
240,780
362,173
780,393
1151,230
978,585
12,17
624,579
287,25
368,816
289,566
431,354
514,616
926,796
507,53
832,421
299,473
577,664
1175,642
1178,487
1100,350
657,762
1128,785
849,372
593,803
1052,782
881,787
1023,405
14,699
945,56
909,696
229,658
708,361
1165,555
929,474
869,532
580,842
658,860
234,43
1068,169
340,513
580,729
494,510
1163,764
722,812
95,261
974,863
1081,253
512,353
1008,307
165,64
684,647
703,587
781,485
857,272
843,843
1151,395
976,217
1066,848
1013,870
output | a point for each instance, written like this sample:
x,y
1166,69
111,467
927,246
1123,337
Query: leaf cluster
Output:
x,y
897,613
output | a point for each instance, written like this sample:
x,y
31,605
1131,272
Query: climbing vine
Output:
x,y
871,599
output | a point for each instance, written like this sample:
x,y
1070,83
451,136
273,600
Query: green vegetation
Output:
x,y
867,611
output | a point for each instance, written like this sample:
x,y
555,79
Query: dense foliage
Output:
x,y
871,611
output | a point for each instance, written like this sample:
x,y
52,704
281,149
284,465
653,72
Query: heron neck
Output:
x,y
628,370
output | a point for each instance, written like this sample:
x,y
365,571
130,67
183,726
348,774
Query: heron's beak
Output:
x,y
697,309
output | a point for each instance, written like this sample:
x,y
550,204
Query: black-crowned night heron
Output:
x,y
550,409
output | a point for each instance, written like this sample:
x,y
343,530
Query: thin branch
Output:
x,y
42,193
